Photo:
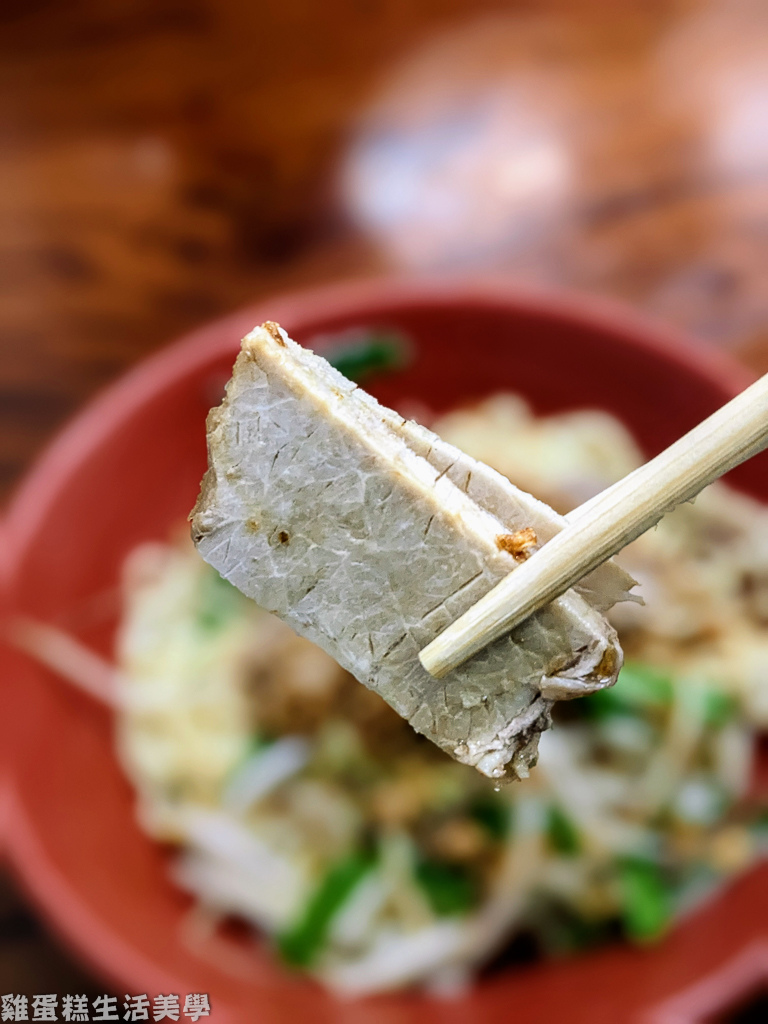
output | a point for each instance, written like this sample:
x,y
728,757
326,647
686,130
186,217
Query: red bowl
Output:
x,y
128,468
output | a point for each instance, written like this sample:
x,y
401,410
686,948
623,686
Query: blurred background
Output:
x,y
166,161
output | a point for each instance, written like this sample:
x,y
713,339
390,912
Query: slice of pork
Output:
x,y
369,535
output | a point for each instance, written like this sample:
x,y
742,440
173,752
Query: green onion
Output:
x,y
719,708
373,352
562,833
640,689
646,905
219,601
708,702
492,815
450,888
301,943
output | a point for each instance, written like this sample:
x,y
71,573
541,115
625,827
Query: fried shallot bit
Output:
x,y
520,545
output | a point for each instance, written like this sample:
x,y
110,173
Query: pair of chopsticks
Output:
x,y
607,523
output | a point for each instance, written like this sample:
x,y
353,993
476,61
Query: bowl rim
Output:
x,y
93,939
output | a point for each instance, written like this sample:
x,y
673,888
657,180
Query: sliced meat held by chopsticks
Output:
x,y
368,534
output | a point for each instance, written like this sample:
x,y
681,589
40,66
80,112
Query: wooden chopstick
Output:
x,y
607,523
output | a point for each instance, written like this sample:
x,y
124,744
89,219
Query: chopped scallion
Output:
x,y
492,815
646,903
719,708
450,888
371,352
219,601
640,689
300,944
562,833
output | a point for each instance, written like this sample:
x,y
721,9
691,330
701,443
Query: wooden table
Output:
x,y
164,161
